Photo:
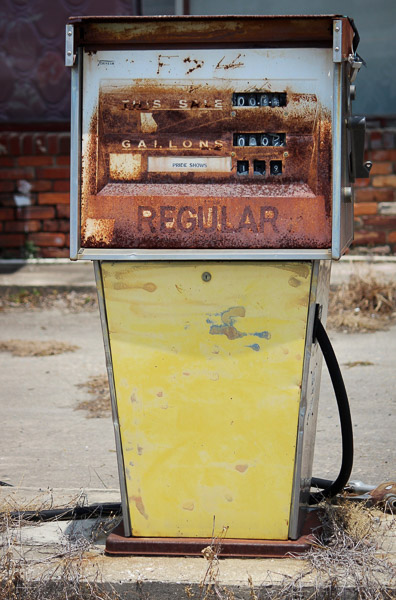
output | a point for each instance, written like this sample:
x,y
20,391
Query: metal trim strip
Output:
x,y
75,155
336,166
296,490
312,368
113,396
143,254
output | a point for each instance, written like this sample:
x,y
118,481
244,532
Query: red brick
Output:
x,y
6,214
375,155
48,239
35,161
35,212
7,186
27,143
369,237
20,226
380,221
64,143
26,173
381,168
63,211
14,144
54,173
384,181
62,225
41,185
54,198
61,186
11,240
63,160
373,195
365,208
359,183
52,143
6,161
392,237
55,252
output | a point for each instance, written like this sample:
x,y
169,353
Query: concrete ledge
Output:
x,y
56,557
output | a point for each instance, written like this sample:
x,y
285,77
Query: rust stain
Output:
x,y
299,268
139,505
317,29
160,394
294,282
124,205
139,450
228,497
241,468
134,398
188,506
234,64
227,328
196,64
149,287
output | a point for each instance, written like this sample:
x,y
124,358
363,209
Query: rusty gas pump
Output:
x,y
212,161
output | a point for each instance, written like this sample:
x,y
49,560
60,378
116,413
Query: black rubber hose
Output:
x,y
92,511
345,419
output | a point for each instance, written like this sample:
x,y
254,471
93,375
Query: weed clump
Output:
x,y
363,304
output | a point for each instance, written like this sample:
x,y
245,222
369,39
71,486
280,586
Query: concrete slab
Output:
x,y
72,553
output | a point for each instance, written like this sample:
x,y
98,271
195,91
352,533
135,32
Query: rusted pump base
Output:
x,y
118,544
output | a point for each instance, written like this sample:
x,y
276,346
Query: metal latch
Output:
x,y
357,129
356,62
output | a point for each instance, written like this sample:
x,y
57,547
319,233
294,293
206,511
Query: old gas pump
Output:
x,y
212,161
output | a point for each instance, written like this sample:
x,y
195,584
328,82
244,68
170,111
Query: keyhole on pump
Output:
x,y
206,276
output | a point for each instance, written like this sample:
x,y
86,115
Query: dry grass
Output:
x,y
35,348
14,299
363,304
58,574
99,404
346,561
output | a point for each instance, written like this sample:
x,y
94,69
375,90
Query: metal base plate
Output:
x,y
118,544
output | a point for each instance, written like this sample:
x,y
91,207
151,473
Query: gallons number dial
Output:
x,y
259,139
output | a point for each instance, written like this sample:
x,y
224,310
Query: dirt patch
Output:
x,y
362,305
99,405
44,298
35,348
359,363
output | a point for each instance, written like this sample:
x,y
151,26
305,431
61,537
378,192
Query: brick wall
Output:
x,y
34,193
375,197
